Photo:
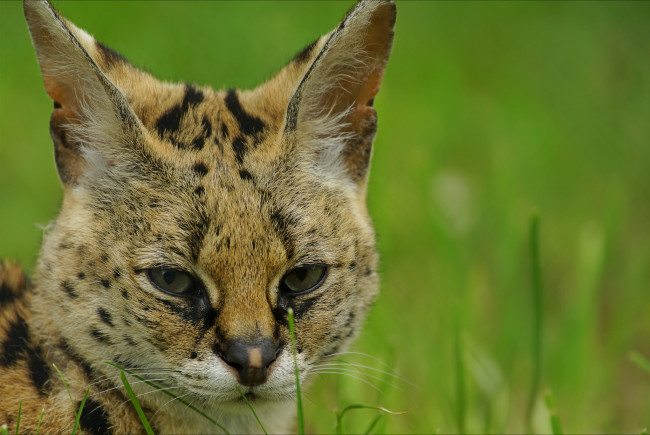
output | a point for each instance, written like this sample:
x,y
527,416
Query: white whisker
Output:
x,y
333,372
361,366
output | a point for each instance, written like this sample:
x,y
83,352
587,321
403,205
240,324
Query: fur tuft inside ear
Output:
x,y
331,111
89,111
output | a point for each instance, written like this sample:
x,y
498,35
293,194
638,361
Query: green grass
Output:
x,y
136,404
250,406
488,110
299,409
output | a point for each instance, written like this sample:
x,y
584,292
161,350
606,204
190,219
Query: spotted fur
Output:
x,y
233,187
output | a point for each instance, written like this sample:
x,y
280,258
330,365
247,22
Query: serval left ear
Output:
x,y
89,111
333,102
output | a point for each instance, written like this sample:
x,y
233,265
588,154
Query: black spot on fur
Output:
x,y
193,355
350,319
69,289
99,336
106,283
129,341
224,131
39,370
94,418
105,316
201,169
15,343
117,273
304,54
199,190
125,294
110,56
245,175
81,275
6,295
248,124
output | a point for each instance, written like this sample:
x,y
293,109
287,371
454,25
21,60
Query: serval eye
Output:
x,y
305,278
172,281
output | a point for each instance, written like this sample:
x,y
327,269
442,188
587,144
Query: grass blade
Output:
x,y
340,414
40,420
556,426
301,420
4,430
536,278
639,360
459,378
172,395
251,408
373,424
64,383
81,407
136,404
20,411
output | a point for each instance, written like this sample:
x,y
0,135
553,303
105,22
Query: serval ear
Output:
x,y
90,113
332,106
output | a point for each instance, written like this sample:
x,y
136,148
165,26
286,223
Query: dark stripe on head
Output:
x,y
39,370
169,123
248,124
206,131
110,57
239,146
15,343
282,225
94,418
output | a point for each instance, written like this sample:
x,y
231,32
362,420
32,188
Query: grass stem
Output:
x,y
536,281
252,409
172,395
301,420
79,411
556,425
136,404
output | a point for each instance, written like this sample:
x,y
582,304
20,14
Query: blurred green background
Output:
x,y
489,112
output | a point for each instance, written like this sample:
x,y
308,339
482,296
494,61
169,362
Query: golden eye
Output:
x,y
305,278
172,281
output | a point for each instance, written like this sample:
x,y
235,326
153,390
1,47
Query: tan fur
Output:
x,y
236,188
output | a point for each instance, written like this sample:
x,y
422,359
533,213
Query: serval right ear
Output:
x,y
90,113
332,106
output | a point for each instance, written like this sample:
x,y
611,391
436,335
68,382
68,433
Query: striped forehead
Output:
x,y
195,119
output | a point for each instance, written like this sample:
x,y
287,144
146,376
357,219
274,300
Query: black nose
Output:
x,y
251,359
